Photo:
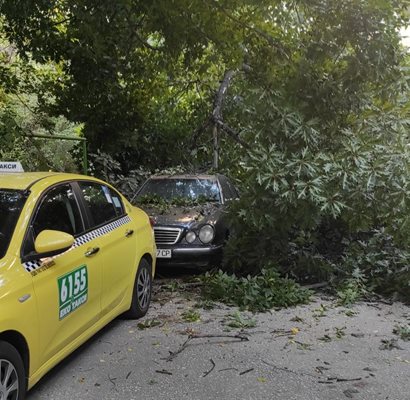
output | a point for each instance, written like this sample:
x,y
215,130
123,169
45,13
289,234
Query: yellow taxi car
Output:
x,y
74,254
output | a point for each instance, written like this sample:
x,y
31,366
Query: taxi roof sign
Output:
x,y
7,167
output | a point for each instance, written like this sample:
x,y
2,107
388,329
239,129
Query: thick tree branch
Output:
x,y
232,133
216,117
223,88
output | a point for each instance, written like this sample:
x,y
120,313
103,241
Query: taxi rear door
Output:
x,y
118,243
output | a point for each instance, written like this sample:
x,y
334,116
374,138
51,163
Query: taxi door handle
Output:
x,y
129,233
92,251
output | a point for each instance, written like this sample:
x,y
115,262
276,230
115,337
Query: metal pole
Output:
x,y
79,139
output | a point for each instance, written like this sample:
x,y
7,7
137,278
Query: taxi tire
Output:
x,y
136,309
9,353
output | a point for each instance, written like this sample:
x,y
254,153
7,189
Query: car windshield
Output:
x,y
11,203
171,189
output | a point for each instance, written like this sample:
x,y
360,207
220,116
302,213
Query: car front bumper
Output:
x,y
192,256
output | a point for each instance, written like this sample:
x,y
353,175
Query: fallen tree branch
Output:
x,y
232,133
289,370
215,118
242,338
199,336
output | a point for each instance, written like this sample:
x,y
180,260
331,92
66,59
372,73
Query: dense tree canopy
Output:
x,y
310,99
121,59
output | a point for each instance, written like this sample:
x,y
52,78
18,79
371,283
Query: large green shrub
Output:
x,y
255,293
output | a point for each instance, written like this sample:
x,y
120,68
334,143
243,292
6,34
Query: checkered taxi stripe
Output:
x,y
83,239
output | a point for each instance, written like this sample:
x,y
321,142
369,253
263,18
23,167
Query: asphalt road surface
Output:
x,y
313,352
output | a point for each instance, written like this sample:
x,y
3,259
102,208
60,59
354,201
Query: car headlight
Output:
x,y
190,236
206,234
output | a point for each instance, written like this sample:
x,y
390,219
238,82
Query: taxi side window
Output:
x,y
58,211
103,204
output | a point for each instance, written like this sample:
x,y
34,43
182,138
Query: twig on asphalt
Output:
x,y
281,332
320,369
346,379
227,369
202,336
208,372
246,371
242,337
172,355
331,379
112,380
289,370
163,371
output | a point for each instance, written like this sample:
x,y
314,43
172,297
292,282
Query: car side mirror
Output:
x,y
50,243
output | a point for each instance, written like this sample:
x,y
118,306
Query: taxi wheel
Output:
x,y
141,296
12,374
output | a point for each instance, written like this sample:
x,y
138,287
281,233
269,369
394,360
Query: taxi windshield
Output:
x,y
11,203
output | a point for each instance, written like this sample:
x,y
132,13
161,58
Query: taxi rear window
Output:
x,y
103,203
11,204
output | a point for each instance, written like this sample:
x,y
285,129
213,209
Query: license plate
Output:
x,y
164,253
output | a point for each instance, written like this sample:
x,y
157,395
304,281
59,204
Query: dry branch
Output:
x,y
198,336
212,368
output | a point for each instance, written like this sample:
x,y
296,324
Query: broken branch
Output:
x,y
232,133
213,366
199,336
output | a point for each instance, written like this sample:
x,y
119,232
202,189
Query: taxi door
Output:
x,y
118,243
68,286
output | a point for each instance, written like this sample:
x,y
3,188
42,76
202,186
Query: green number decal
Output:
x,y
72,291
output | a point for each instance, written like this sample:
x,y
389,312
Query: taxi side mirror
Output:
x,y
50,243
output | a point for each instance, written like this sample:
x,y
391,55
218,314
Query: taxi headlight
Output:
x,y
206,234
190,236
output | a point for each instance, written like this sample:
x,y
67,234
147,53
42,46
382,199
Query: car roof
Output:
x,y
23,180
184,176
